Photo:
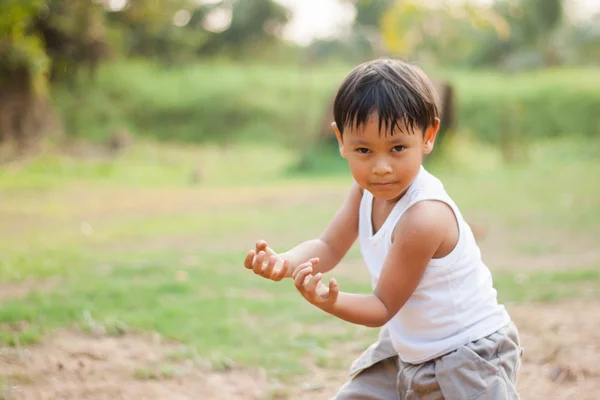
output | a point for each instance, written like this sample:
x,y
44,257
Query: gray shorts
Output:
x,y
484,369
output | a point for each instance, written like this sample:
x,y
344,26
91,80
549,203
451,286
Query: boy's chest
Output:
x,y
379,214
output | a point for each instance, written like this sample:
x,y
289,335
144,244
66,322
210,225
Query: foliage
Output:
x,y
285,104
156,29
353,49
529,106
533,41
19,48
369,12
205,102
254,25
509,35
62,34
581,43
415,31
55,40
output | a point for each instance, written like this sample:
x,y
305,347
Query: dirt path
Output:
x,y
562,349
78,366
14,291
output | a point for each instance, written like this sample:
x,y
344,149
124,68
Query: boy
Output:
x,y
444,335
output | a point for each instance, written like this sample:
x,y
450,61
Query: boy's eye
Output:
x,y
362,150
398,148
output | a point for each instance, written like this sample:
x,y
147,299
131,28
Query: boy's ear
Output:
x,y
338,135
430,136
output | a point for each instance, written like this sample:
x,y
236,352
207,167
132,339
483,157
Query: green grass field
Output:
x,y
132,244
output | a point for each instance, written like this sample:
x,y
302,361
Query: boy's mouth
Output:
x,y
383,184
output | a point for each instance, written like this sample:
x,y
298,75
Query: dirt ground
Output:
x,y
561,341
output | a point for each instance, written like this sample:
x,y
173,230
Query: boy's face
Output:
x,y
383,164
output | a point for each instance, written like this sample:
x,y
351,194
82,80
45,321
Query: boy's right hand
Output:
x,y
266,263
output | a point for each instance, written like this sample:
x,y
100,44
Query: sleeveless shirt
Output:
x,y
455,301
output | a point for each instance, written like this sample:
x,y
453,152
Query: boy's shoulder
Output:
x,y
427,178
425,185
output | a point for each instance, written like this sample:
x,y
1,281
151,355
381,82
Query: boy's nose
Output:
x,y
382,167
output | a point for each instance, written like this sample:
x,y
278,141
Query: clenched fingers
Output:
x,y
257,265
334,290
249,258
301,273
268,270
311,287
312,261
261,245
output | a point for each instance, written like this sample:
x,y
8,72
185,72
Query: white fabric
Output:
x,y
455,302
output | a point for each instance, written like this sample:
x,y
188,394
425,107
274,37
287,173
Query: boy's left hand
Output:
x,y
311,287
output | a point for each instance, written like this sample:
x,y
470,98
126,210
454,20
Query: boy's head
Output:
x,y
386,117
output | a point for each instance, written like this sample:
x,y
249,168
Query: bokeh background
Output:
x,y
146,145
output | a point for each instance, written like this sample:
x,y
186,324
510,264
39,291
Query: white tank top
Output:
x,y
454,303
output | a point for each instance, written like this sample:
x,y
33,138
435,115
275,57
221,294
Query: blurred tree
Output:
x,y
539,22
24,67
582,42
369,12
367,25
513,34
43,41
442,32
249,26
434,32
352,49
540,17
73,33
535,36
21,49
158,29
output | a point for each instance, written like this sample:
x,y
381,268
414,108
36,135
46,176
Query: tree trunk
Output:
x,y
24,115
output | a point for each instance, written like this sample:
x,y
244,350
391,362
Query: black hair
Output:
x,y
400,94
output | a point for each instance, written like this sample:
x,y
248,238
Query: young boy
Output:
x,y
444,335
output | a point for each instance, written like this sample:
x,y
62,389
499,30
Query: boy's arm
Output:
x,y
418,235
335,241
329,248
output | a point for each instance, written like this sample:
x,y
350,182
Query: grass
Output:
x,y
149,165
549,190
137,246
548,286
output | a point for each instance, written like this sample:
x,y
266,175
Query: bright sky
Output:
x,y
323,18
